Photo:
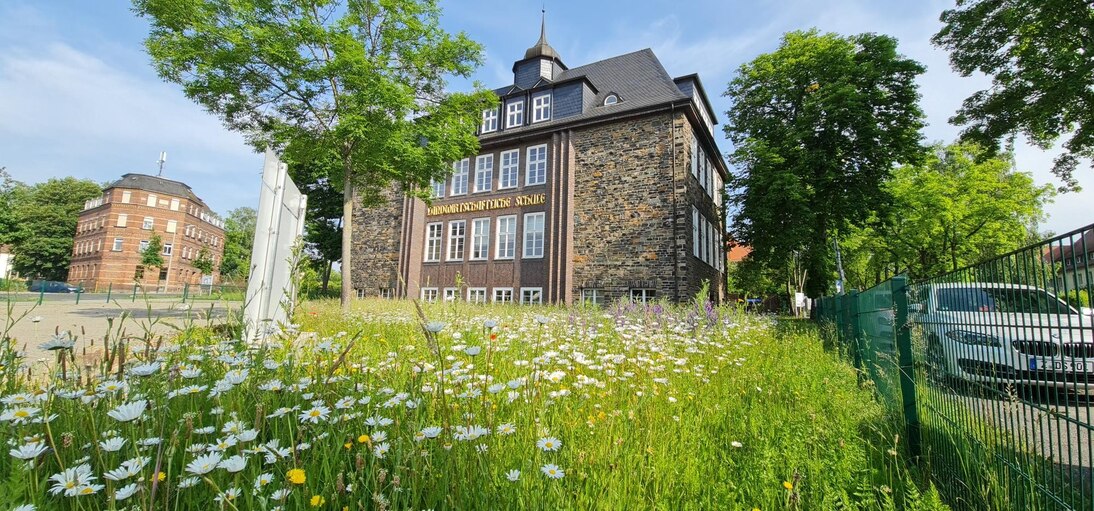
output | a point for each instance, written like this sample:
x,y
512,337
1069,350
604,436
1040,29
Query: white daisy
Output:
x,y
129,411
549,443
552,471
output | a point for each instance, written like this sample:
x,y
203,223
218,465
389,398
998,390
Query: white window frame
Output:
x,y
174,204
591,296
696,241
484,173
126,196
142,246
149,223
480,239
499,292
451,294
505,247
456,243
472,291
438,188
514,114
539,165
460,171
530,236
646,295
168,248
122,220
695,156
118,242
541,107
509,176
489,121
434,242
531,291
151,200
429,294
172,226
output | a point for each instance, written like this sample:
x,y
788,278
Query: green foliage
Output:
x,y
323,223
11,191
818,125
204,261
1040,55
959,207
152,255
360,80
45,217
239,236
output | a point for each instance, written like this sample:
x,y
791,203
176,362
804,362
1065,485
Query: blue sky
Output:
x,y
78,96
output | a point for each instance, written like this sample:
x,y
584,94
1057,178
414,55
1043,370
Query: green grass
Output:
x,y
655,408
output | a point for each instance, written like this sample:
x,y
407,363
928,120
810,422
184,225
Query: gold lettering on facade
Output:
x,y
487,204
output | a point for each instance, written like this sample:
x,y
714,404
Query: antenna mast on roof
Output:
x,y
161,161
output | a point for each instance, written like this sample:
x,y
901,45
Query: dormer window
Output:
x,y
611,100
541,108
514,114
489,120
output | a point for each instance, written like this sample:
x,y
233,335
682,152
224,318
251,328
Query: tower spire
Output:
x,y
542,25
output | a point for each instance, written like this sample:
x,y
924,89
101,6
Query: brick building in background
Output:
x,y
113,230
592,183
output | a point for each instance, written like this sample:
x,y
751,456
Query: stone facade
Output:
x,y
376,244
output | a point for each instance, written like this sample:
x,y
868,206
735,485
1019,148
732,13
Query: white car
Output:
x,y
990,332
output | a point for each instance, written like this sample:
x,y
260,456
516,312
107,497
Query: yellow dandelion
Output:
x,y
161,476
317,500
788,485
364,439
347,445
296,476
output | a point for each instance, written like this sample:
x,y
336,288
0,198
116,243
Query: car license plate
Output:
x,y
1061,365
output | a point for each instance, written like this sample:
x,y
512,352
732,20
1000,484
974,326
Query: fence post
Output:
x,y
134,292
852,326
903,331
42,292
109,289
185,292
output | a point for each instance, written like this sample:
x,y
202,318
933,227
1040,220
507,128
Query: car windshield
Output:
x,y
1006,300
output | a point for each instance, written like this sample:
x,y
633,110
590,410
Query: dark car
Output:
x,y
51,286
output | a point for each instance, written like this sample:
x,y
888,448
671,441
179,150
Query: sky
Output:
x,y
79,97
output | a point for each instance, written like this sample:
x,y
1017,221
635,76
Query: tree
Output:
x,y
1040,55
151,256
818,126
11,192
239,238
204,261
45,217
323,223
959,208
361,79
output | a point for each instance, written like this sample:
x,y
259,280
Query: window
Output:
x,y
503,295
149,222
433,233
484,172
438,188
710,243
489,120
533,235
387,292
480,239
451,294
459,176
510,168
117,245
611,100
151,200
541,108
125,196
429,294
696,242
530,295
696,155
476,294
507,237
122,218
138,274
174,204
360,293
536,171
172,226
514,114
643,295
591,296
167,249
143,246
456,232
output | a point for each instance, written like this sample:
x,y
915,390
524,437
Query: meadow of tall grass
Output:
x,y
455,406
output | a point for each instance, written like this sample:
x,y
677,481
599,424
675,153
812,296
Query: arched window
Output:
x,y
611,99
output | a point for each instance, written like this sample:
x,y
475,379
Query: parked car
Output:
x,y
988,332
52,286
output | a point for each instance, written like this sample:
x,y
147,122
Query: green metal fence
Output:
x,y
989,368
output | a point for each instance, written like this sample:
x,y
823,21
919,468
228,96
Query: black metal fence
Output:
x,y
990,369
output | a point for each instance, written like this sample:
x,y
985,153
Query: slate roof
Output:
x,y
638,79
155,184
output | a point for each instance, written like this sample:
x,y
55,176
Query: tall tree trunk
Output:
x,y
347,231
326,277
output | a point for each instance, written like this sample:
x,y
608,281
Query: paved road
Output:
x,y
88,320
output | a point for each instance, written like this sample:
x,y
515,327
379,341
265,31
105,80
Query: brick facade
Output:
x,y
100,262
